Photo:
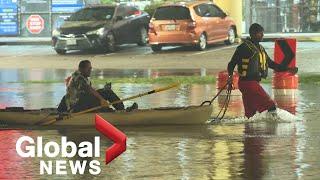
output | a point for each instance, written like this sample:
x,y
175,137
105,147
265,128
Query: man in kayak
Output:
x,y
81,95
253,62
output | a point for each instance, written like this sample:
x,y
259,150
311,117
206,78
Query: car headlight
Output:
x,y
55,32
97,32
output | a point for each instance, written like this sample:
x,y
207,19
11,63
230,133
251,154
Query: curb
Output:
x,y
25,43
298,38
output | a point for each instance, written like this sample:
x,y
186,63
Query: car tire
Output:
x,y
202,44
231,37
110,42
61,51
143,37
156,48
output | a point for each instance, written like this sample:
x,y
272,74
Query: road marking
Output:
x,y
204,52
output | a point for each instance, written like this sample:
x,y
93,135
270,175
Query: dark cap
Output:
x,y
255,28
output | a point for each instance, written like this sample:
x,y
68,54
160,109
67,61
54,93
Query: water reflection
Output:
x,y
286,99
21,75
35,96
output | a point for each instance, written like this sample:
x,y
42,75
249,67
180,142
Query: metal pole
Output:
x,y
278,18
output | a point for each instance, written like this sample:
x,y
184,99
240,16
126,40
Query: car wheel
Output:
x,y
111,42
231,37
143,37
202,44
156,48
60,51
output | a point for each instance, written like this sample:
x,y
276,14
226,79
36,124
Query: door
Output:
x,y
204,11
134,25
121,25
220,22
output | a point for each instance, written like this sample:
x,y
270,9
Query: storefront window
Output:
x,y
284,15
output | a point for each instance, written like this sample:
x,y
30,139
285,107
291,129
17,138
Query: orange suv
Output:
x,y
196,23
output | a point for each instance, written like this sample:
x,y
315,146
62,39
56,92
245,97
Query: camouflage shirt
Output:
x,y
77,86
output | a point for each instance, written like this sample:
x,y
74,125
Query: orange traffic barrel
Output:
x,y
285,54
285,80
222,80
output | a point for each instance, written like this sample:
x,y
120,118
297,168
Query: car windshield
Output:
x,y
172,13
93,14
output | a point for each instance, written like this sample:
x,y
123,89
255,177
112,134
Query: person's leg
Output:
x,y
264,102
86,101
249,109
62,105
255,98
109,95
247,100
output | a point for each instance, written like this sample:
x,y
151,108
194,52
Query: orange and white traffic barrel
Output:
x,y
285,84
285,54
222,80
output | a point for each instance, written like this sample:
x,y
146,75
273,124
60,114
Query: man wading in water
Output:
x,y
81,96
253,62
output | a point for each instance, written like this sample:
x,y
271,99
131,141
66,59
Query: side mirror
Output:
x,y
224,15
119,18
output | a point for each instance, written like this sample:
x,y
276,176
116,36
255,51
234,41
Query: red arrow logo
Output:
x,y
115,135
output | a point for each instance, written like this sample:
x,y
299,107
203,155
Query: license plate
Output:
x,y
171,27
71,42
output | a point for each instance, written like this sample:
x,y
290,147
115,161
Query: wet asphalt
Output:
x,y
137,57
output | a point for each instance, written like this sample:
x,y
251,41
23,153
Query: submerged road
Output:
x,y
135,57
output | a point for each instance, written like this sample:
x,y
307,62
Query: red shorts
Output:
x,y
254,98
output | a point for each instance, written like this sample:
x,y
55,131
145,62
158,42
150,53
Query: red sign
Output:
x,y
115,135
285,52
35,24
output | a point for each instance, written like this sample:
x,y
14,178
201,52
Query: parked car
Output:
x,y
102,27
195,23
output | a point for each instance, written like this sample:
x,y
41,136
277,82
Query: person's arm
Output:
x,y
91,90
278,67
233,62
231,65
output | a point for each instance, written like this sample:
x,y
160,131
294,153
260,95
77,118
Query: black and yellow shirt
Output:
x,y
252,61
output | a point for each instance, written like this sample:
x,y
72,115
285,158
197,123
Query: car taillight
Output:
x,y
137,13
151,28
192,25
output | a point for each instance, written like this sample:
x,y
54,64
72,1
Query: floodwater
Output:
x,y
218,151
22,75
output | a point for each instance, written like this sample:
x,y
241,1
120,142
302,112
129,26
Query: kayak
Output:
x,y
158,116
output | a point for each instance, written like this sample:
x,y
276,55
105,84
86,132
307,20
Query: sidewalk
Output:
x,y
25,41
311,37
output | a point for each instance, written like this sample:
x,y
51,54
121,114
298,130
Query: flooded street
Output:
x,y
211,151
230,151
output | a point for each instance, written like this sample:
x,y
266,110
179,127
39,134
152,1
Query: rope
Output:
x,y
225,105
210,102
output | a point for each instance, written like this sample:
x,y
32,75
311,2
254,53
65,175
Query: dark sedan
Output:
x,y
102,27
